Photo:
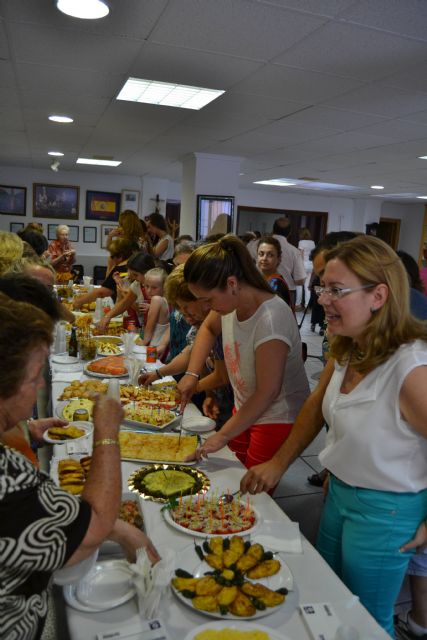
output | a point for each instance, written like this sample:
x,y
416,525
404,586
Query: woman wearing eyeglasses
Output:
x,y
376,406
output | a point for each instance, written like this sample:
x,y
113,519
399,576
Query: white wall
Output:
x,y
343,213
411,226
88,254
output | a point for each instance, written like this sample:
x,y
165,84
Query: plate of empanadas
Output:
x,y
73,431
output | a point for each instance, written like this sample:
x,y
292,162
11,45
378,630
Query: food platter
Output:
x,y
165,448
235,518
131,409
65,408
108,345
282,580
136,481
86,427
103,374
236,625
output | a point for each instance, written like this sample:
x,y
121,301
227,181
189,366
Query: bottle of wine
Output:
x,y
73,346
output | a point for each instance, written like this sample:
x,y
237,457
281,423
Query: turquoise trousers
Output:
x,y
360,534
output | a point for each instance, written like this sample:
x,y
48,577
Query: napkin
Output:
x,y
280,536
133,366
152,582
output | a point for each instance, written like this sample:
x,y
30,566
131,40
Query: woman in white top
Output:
x,y
156,226
157,323
376,408
262,350
306,246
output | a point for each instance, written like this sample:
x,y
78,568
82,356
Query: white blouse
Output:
x,y
369,444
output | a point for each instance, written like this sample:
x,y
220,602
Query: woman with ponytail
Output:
x,y
262,350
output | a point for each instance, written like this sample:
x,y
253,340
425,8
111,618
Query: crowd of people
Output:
x,y
222,313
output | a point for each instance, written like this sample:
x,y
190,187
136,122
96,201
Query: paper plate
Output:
x,y
64,358
273,634
198,424
87,427
109,584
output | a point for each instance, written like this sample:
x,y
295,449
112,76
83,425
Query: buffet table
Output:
x,y
314,581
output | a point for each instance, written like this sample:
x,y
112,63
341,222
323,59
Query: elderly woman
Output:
x,y
375,403
61,252
42,527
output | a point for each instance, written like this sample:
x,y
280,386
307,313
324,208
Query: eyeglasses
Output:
x,y
336,293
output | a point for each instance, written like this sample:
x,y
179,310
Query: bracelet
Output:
x,y
159,375
190,373
105,441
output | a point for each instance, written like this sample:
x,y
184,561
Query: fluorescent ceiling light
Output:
x,y
422,197
422,157
276,182
85,9
55,153
376,186
105,163
167,94
62,119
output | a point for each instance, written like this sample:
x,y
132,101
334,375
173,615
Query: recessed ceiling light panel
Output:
x,y
422,157
103,163
276,182
55,153
376,186
421,197
85,9
61,119
167,94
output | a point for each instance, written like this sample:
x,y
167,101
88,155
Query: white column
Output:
x,y
209,175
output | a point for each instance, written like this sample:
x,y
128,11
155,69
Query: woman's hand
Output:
x,y
147,378
39,426
143,307
131,539
107,416
187,387
211,407
212,444
419,541
261,477
103,324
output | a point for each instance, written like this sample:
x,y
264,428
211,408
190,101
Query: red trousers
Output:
x,y
259,442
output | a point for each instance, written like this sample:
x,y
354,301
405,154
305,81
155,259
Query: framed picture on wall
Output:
x,y
105,230
13,200
89,234
215,214
130,200
102,205
73,235
16,226
55,201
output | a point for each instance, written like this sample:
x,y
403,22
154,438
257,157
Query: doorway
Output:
x,y
262,219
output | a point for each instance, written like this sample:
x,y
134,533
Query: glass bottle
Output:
x,y
73,346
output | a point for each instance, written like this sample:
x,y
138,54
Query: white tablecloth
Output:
x,y
314,581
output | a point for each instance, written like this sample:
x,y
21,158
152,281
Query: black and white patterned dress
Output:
x,y
40,528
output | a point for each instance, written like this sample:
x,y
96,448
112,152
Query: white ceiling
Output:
x,y
335,90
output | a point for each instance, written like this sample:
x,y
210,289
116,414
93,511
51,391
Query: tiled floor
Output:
x,y
301,501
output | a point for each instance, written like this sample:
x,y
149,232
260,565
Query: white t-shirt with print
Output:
x,y
273,320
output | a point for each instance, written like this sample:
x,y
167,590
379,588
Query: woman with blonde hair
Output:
x,y
11,250
259,334
376,407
